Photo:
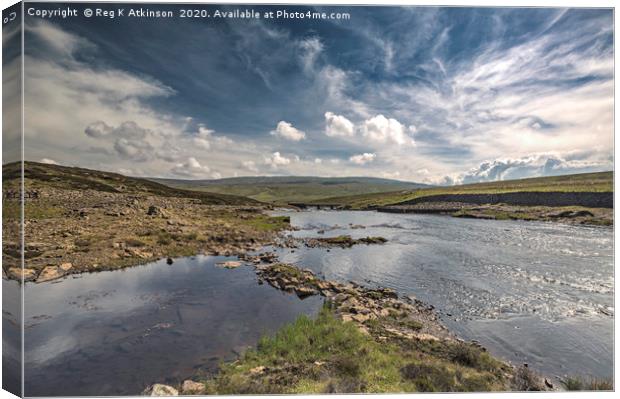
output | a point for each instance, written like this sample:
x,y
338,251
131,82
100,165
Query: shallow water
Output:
x,y
531,292
114,333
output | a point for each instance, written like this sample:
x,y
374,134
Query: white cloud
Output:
x,y
311,48
386,130
288,131
191,168
250,165
276,160
363,159
131,141
201,139
48,161
338,126
532,166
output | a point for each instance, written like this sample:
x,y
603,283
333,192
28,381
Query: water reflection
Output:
x,y
114,333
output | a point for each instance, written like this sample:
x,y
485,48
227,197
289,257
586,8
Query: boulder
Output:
x,y
257,370
16,274
161,390
303,292
50,273
360,318
66,266
154,211
231,264
190,387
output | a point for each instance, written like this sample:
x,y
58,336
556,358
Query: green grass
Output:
x,y
292,189
64,177
585,182
590,384
327,355
32,210
270,223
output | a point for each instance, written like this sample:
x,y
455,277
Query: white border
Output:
x,y
478,3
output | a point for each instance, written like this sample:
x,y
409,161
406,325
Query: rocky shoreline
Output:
x,y
377,313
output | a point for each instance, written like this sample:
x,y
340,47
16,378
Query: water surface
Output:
x,y
536,293
114,333
532,292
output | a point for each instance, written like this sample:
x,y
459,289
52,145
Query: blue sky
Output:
x,y
435,95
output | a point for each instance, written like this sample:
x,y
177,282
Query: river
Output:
x,y
536,293
531,292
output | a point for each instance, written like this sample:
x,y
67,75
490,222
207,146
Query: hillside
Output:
x,y
72,178
585,182
293,188
85,220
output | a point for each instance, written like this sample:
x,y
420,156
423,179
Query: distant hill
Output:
x,y
283,189
583,182
66,177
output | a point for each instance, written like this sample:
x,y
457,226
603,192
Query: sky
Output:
x,y
431,95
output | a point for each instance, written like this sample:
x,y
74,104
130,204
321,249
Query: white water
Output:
x,y
531,292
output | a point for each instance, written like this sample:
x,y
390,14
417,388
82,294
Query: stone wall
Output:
x,y
587,199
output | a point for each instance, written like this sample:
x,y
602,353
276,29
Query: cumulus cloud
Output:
x,y
275,160
202,137
386,130
338,126
287,131
250,165
131,141
363,159
48,161
191,168
531,166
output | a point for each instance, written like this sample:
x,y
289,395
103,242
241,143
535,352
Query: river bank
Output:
x,y
171,321
364,340
559,214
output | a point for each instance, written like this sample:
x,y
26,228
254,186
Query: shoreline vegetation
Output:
x,y
364,340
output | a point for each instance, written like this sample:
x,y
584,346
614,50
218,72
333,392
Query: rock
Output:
x,y
161,390
49,273
169,261
154,211
66,266
384,312
303,292
190,386
257,370
16,274
360,318
140,254
425,337
346,317
231,264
